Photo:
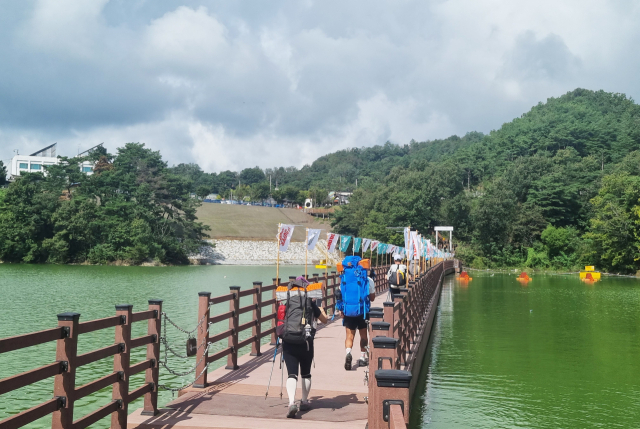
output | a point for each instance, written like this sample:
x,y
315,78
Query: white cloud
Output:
x,y
230,85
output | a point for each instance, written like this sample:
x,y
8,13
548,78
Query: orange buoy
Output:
x,y
523,278
464,276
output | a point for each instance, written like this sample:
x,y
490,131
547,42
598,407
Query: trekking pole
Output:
x,y
281,374
275,352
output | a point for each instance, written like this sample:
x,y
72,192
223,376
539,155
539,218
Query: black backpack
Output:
x,y
399,278
298,314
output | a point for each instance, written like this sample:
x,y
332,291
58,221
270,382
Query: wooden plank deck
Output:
x,y
236,399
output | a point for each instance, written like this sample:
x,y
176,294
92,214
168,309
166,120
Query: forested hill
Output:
x,y
557,187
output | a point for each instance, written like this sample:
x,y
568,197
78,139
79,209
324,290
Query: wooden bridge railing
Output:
x,y
67,361
263,311
399,334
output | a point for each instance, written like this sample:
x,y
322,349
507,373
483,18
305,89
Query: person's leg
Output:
x,y
348,342
364,342
364,339
305,374
350,328
292,363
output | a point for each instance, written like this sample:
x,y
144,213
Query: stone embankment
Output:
x,y
246,252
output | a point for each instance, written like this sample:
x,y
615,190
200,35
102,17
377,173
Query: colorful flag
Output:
x,y
332,240
374,244
284,236
365,244
414,245
312,238
344,242
356,244
407,241
382,249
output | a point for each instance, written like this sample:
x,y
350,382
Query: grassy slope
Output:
x,y
253,222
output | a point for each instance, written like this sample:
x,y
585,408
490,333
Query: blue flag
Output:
x,y
356,244
344,242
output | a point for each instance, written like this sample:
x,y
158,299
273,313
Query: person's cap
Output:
x,y
397,258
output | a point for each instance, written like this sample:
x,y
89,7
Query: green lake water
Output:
x,y
556,353
32,295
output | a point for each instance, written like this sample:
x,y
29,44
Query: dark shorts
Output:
x,y
298,358
355,322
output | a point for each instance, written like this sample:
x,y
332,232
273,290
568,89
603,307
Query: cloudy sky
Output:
x,y
234,84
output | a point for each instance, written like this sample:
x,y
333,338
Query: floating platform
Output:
x,y
590,273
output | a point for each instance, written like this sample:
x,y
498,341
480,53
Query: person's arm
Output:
x,y
319,313
372,289
323,316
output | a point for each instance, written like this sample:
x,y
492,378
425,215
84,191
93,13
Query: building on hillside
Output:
x,y
339,198
37,161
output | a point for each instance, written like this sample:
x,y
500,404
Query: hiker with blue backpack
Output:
x,y
354,297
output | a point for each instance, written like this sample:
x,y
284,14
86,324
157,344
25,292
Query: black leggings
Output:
x,y
297,356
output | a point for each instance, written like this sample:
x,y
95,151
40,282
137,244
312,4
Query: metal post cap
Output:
x,y
155,301
204,293
380,326
68,316
124,306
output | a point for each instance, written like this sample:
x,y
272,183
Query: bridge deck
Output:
x,y
236,399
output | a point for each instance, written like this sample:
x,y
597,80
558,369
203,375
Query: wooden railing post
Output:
x,y
257,315
64,384
234,322
121,363
324,281
393,389
399,333
203,340
388,315
153,352
382,356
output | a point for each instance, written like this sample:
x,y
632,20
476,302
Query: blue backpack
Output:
x,y
354,285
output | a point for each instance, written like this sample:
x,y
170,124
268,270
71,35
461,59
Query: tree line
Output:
x,y
132,209
558,187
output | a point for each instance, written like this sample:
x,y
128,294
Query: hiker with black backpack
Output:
x,y
354,297
297,333
397,275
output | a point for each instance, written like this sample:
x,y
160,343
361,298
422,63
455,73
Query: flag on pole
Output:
x,y
332,240
382,249
344,242
374,244
356,244
312,239
365,244
286,231
414,245
407,241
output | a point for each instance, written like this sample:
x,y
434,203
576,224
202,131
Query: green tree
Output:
x,y
3,174
615,227
249,176
259,191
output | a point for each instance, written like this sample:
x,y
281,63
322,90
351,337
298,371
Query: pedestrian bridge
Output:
x,y
233,396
